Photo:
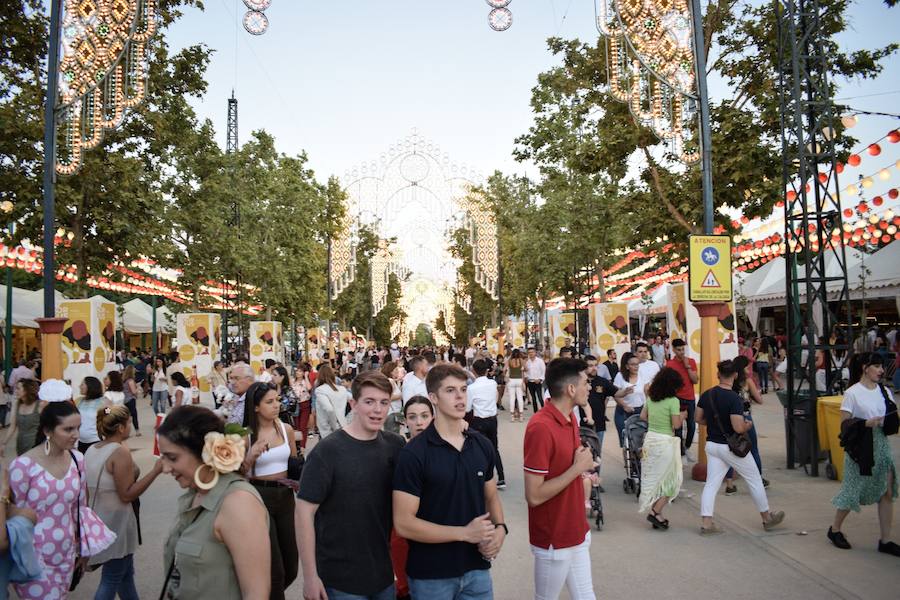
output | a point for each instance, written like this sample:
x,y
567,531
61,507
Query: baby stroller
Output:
x,y
590,439
634,432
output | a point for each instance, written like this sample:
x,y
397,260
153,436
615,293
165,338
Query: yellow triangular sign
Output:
x,y
710,280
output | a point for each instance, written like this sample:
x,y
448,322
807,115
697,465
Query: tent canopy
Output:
x,y
27,306
138,318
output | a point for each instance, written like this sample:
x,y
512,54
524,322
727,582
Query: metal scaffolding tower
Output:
x,y
231,147
817,292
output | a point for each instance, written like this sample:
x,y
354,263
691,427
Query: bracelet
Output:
x,y
503,525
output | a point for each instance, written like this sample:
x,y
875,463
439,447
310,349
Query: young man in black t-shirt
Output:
x,y
445,499
344,510
722,411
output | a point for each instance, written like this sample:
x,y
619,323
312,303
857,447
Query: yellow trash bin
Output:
x,y
828,423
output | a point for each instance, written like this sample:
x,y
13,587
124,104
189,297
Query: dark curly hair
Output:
x,y
187,426
665,385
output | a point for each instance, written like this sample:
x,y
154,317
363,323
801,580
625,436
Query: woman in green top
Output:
x,y
661,455
219,546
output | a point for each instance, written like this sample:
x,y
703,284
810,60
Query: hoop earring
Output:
x,y
205,486
47,447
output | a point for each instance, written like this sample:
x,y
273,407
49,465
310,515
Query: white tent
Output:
x,y
659,301
138,318
27,305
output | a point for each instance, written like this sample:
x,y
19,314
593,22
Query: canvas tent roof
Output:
x,y
138,317
27,305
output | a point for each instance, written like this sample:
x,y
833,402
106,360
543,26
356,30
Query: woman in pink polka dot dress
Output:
x,y
48,480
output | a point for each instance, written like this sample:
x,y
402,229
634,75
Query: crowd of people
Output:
x,y
400,495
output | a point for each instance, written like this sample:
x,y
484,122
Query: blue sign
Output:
x,y
710,256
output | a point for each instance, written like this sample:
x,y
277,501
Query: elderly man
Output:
x,y
240,378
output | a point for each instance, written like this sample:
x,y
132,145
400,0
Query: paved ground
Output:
x,y
632,560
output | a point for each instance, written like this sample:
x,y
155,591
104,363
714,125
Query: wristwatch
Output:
x,y
503,525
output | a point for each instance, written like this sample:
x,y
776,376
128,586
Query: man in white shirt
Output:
x,y
470,356
414,381
240,378
395,352
25,370
659,351
534,379
648,369
265,376
481,398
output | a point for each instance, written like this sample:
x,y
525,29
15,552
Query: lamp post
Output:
x,y
6,207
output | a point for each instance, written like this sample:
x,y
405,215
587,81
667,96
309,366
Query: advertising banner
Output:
x,y
515,333
199,340
266,341
684,322
562,332
88,339
492,336
610,328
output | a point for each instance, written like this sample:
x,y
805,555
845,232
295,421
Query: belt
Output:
x,y
266,483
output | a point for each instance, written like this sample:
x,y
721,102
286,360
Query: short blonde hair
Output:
x,y
110,418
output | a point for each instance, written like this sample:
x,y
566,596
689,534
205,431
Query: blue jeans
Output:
x,y
619,418
385,594
762,369
117,577
473,585
160,401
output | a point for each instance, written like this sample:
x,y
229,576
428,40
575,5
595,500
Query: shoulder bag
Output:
x,y
891,424
739,443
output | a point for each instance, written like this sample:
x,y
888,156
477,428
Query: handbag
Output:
x,y
739,443
78,572
891,423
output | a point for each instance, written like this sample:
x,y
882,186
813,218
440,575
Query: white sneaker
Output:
x,y
688,458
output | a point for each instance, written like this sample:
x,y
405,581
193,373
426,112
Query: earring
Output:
x,y
202,484
47,447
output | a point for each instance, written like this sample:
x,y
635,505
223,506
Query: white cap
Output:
x,y
55,390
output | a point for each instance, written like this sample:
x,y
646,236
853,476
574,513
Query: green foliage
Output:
x,y
422,336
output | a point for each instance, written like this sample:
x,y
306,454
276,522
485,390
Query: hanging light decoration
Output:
x,y
483,239
500,18
380,270
343,261
102,71
651,67
849,121
255,20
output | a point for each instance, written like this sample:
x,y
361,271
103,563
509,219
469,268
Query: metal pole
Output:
x,y
7,347
153,344
705,132
50,158
328,293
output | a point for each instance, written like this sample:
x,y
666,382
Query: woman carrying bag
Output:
x,y
868,415
113,482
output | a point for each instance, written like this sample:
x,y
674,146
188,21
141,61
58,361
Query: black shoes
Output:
x,y
837,538
889,548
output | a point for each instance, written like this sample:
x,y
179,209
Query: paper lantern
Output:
x,y
848,212
884,174
892,193
893,136
839,167
867,182
877,200
853,160
862,207
849,121
874,149
852,190
823,177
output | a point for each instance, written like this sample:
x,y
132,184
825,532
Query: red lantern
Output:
x,y
839,167
791,196
883,224
779,204
862,207
874,150
877,200
823,177
853,160
885,239
892,193
893,136
848,212
897,236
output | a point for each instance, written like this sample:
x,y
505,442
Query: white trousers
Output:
x,y
718,459
515,388
569,566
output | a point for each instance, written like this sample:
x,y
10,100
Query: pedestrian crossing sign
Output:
x,y
709,268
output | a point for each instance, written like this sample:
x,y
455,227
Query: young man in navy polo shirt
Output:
x,y
445,499
554,463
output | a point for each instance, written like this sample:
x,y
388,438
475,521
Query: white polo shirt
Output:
x,y
648,369
413,386
535,369
481,397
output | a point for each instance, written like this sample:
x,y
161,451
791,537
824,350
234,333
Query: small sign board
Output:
x,y
709,268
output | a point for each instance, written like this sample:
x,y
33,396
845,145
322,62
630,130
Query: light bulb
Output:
x,y
867,182
852,190
884,174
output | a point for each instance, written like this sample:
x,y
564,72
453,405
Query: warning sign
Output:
x,y
710,280
710,268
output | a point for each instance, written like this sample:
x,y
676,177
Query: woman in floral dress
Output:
x,y
49,479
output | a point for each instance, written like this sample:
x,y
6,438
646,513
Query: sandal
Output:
x,y
657,523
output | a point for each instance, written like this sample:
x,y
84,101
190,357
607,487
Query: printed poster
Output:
x,y
684,322
88,339
610,328
515,333
562,332
266,341
492,335
199,344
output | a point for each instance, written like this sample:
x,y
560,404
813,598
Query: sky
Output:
x,y
343,80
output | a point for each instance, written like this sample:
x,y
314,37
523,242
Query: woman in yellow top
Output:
x,y
661,475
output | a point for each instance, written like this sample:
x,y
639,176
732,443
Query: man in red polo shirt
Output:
x,y
687,368
555,462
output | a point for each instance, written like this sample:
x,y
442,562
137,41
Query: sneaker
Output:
x,y
775,519
837,538
688,458
765,483
730,490
887,547
501,485
711,530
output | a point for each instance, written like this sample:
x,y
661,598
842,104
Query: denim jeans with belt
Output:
x,y
472,585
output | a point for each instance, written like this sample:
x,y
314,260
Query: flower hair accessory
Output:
x,y
55,390
107,410
222,453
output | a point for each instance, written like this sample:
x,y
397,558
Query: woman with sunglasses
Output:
x,y
865,416
271,444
